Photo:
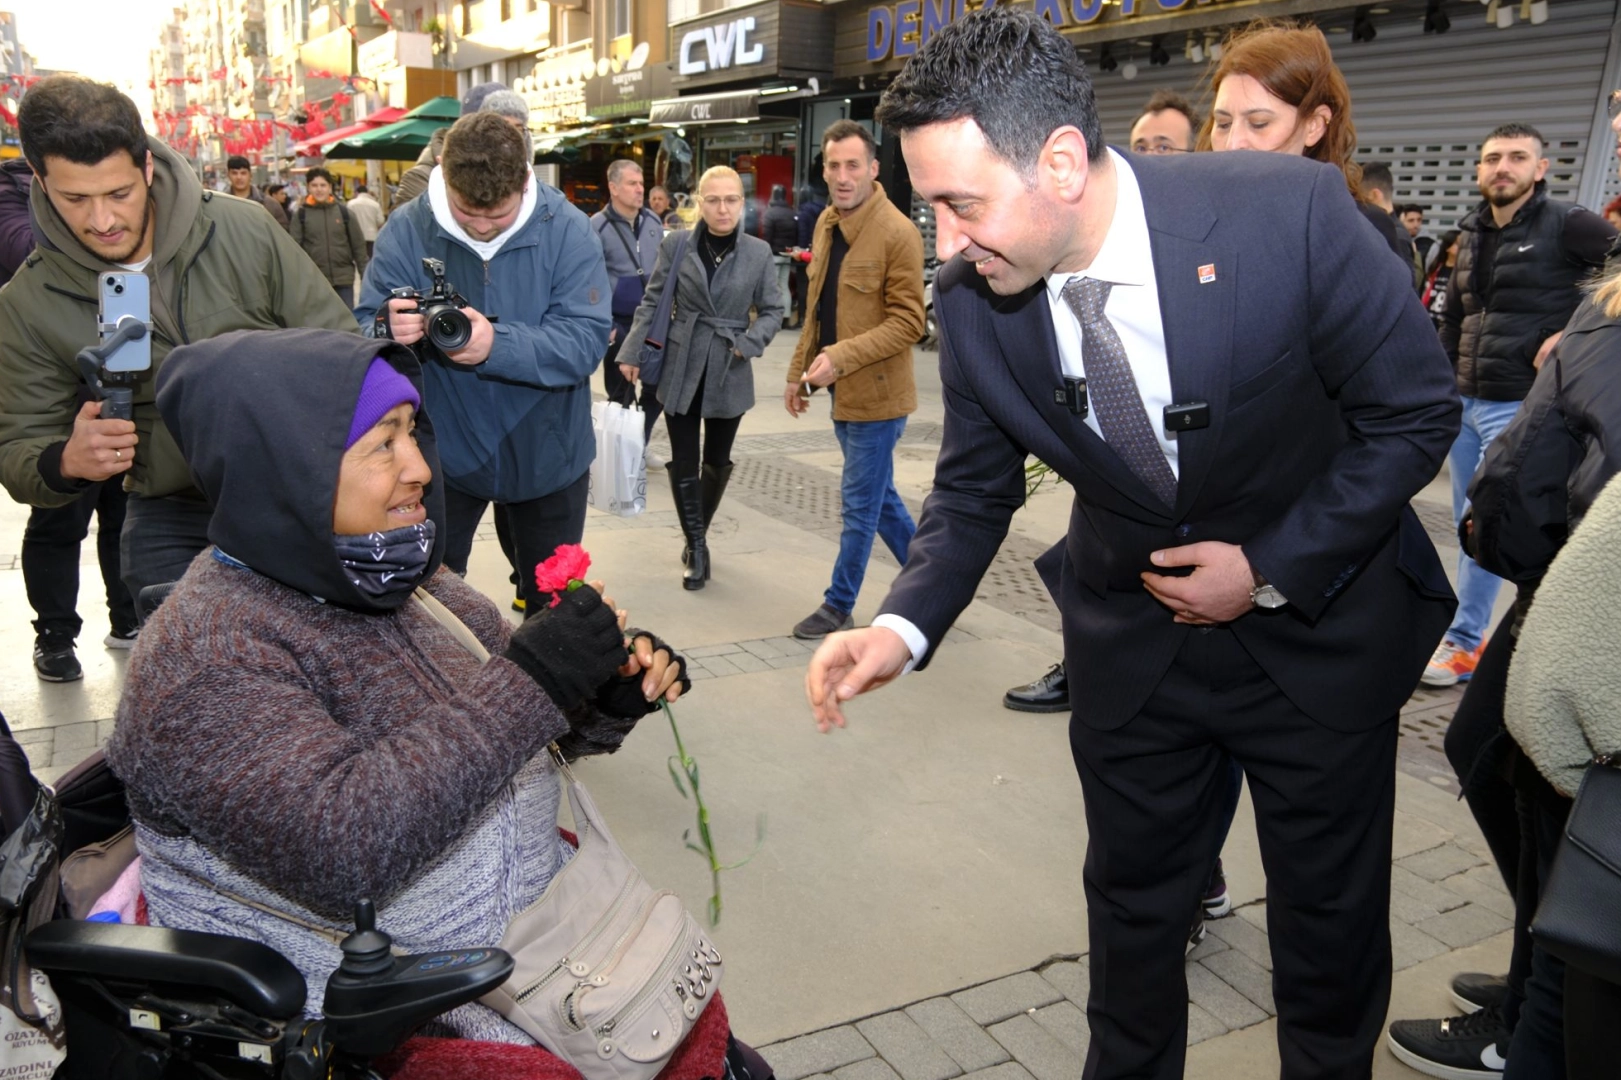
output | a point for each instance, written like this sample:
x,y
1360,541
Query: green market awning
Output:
x,y
403,140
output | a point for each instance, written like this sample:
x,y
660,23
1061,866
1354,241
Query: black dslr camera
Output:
x,y
447,327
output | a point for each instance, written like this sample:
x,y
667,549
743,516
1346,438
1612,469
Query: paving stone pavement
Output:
x,y
1034,1021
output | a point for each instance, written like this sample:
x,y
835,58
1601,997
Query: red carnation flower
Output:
x,y
565,570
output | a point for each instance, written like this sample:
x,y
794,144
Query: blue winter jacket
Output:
x,y
517,426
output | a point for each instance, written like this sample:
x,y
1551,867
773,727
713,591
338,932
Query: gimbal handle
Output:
x,y
112,388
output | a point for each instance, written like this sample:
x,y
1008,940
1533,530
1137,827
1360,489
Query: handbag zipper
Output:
x,y
591,939
617,953
599,977
653,986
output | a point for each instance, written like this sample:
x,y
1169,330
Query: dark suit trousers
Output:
x,y
1324,806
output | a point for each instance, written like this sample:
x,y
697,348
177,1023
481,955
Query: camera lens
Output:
x,y
449,329
118,290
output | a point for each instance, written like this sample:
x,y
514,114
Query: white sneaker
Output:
x,y
124,640
652,459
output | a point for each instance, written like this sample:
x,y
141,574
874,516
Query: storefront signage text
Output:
x,y
725,45
903,29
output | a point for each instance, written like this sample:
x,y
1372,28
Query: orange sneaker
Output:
x,y
1451,664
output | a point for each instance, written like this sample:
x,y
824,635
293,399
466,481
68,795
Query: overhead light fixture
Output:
x,y
1436,20
1106,60
1157,56
1213,45
1535,12
1128,71
1194,50
1362,28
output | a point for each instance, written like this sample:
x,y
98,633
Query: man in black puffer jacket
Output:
x,y
1521,261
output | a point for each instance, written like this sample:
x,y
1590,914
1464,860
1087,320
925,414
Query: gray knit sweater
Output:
x,y
302,755
1564,686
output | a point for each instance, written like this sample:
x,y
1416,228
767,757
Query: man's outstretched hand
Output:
x,y
852,663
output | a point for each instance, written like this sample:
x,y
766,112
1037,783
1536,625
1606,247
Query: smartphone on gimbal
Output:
x,y
122,296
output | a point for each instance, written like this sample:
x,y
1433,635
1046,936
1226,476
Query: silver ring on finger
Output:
x,y
118,455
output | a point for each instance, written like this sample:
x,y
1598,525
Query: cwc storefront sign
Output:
x,y
709,109
903,29
725,45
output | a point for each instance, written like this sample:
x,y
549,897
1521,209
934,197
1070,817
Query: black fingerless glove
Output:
x,y
591,731
622,696
600,725
571,649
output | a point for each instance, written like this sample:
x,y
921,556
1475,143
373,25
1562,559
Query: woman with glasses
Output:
x,y
727,309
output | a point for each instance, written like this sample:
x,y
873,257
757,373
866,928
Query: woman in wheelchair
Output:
x,y
301,728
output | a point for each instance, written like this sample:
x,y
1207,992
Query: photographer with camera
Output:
x,y
108,200
507,383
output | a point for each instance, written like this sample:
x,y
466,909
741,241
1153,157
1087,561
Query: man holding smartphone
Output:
x,y
107,199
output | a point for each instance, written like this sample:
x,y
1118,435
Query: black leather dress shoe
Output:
x,y
1050,693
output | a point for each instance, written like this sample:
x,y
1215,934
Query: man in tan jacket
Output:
x,y
857,341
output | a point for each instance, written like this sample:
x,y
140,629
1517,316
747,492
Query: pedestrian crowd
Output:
x,y
1244,365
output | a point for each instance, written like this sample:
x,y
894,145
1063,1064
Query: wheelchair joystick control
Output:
x,y
374,1000
367,951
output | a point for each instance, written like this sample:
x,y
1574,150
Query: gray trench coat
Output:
x,y
708,322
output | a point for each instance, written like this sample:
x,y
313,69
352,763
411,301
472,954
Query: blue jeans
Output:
x,y
871,505
1483,421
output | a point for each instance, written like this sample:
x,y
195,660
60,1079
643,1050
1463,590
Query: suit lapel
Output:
x,y
1024,330
1197,284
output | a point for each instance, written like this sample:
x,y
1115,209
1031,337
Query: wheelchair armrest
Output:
x,y
248,974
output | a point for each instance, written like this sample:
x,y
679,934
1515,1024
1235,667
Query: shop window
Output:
x,y
620,19
683,9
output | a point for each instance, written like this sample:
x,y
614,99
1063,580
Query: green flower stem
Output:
x,y
689,767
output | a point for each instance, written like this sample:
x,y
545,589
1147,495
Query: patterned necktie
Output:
x,y
1113,391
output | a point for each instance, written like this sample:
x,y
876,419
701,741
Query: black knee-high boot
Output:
x,y
689,509
715,478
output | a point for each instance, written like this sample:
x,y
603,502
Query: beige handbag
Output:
x,y
609,974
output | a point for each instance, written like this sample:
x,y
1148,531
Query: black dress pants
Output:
x,y
1324,805
50,558
537,527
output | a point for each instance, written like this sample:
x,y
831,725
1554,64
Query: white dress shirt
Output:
x,y
1125,261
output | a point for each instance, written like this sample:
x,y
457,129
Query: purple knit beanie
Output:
x,y
382,389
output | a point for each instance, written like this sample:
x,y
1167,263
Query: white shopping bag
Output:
x,y
619,474
27,1050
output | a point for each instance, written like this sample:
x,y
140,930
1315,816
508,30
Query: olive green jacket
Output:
x,y
330,235
218,264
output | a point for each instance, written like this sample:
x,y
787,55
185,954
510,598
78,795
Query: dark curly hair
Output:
x,y
79,120
485,160
1009,72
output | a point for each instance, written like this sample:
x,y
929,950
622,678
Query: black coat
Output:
x,y
1492,328
1330,406
781,228
1543,472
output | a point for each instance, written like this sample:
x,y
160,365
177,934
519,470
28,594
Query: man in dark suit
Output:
x,y
1242,577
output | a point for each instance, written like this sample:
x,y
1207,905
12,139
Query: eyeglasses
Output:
x,y
1615,102
1160,146
715,202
